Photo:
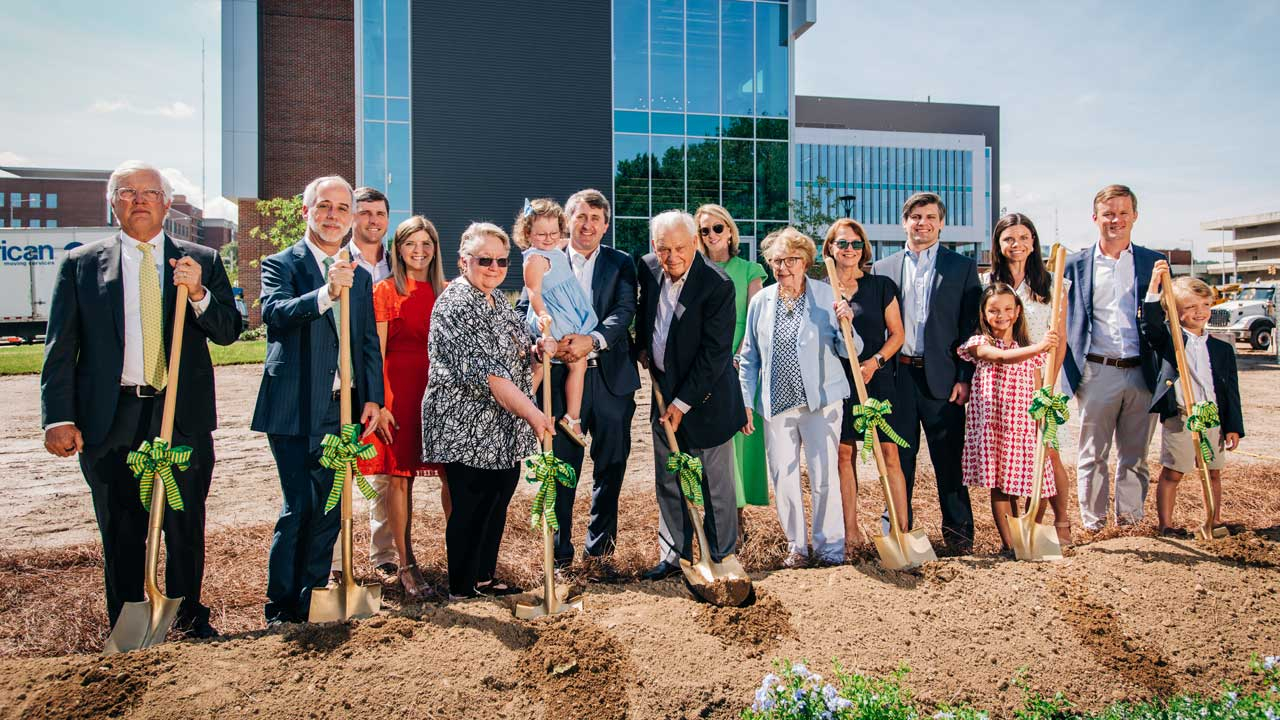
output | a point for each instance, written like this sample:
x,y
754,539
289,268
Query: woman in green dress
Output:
x,y
718,240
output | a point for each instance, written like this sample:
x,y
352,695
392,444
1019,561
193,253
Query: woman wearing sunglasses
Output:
x,y
878,321
478,418
718,241
791,372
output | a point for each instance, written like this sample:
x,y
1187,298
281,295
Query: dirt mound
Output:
x,y
578,670
109,687
1245,548
757,627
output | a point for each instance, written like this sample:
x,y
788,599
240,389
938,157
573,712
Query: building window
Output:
x,y
51,223
51,201
17,223
15,199
383,135
35,223
33,200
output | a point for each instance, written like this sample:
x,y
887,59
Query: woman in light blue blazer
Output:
x,y
792,355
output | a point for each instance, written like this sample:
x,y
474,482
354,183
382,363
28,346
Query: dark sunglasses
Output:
x,y
487,261
849,244
718,228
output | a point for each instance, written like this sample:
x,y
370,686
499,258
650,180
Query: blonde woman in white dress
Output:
x,y
1018,261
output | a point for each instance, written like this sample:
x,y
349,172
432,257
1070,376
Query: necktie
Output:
x,y
337,306
154,367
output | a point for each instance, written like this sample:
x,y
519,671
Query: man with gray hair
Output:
x,y
105,376
298,401
684,335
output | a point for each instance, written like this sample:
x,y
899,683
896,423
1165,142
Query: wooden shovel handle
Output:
x,y
546,392
662,410
175,360
1055,316
344,347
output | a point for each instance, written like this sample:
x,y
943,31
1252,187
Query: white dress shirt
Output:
x,y
916,285
1114,333
130,266
324,303
668,297
584,269
1197,351
379,271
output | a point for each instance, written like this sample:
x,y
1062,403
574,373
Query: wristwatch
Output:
x,y
595,343
879,360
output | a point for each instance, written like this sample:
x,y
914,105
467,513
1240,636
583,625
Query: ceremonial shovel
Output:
x,y
1032,540
143,624
347,599
1206,531
900,550
723,583
555,598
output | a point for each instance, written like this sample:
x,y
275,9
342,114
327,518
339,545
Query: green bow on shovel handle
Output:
x,y
869,417
338,452
153,458
1051,409
689,469
547,469
1204,415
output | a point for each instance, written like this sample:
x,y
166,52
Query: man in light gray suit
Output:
x,y
939,293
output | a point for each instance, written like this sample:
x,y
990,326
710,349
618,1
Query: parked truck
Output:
x,y
1248,317
29,260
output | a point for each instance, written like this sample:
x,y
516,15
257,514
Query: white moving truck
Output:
x,y
29,260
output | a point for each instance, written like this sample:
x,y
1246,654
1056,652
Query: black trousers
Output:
x,y
608,418
122,519
474,533
943,424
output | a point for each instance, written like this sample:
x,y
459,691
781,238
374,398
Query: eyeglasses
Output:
x,y
717,229
487,261
787,262
148,196
849,244
543,237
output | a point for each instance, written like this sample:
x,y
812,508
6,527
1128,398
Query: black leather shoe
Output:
x,y
202,631
388,568
662,570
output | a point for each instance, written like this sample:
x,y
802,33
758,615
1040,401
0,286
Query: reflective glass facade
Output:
x,y
383,141
701,99
882,178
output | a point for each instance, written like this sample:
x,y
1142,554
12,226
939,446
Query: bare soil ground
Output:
x,y
1126,615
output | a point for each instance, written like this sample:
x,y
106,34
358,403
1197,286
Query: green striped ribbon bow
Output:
x,y
1051,409
689,469
549,470
1204,415
157,458
338,452
869,416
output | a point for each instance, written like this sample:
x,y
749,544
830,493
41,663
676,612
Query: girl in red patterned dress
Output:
x,y
402,306
1000,434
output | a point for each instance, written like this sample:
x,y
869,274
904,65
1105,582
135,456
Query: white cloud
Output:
x,y
12,158
220,207
175,110
216,207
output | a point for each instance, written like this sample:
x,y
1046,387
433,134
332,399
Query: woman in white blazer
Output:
x,y
791,374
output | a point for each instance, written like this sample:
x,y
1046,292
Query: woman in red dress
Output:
x,y
402,308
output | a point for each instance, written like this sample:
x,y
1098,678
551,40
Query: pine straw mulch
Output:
x,y
51,599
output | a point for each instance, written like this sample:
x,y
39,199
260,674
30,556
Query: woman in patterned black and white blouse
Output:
x,y
791,355
478,418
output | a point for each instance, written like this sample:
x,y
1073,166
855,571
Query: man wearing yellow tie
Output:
x,y
105,374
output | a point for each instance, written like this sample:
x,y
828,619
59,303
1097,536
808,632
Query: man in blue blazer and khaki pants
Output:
x,y
1109,365
298,402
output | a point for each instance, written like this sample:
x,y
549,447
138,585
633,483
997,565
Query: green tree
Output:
x,y
812,210
282,222
231,261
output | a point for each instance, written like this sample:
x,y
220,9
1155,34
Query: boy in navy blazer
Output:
x,y
1212,364
298,402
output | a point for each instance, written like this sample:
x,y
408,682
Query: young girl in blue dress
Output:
x,y
555,295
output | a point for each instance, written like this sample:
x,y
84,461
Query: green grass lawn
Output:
x,y
26,359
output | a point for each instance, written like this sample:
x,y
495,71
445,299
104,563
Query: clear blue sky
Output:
x,y
1180,100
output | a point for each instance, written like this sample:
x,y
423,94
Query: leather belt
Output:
x,y
912,360
142,391
593,362
1129,362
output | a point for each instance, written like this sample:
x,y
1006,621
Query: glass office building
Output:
x,y
701,105
383,150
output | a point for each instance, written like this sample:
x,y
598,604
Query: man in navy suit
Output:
x,y
608,399
1109,365
939,293
298,402
105,374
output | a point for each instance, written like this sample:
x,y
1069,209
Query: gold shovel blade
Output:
x,y
917,547
891,554
563,600
723,584
1208,532
1033,541
345,601
142,624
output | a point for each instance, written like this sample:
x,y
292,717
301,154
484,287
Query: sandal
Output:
x,y
409,580
572,426
1058,527
496,588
